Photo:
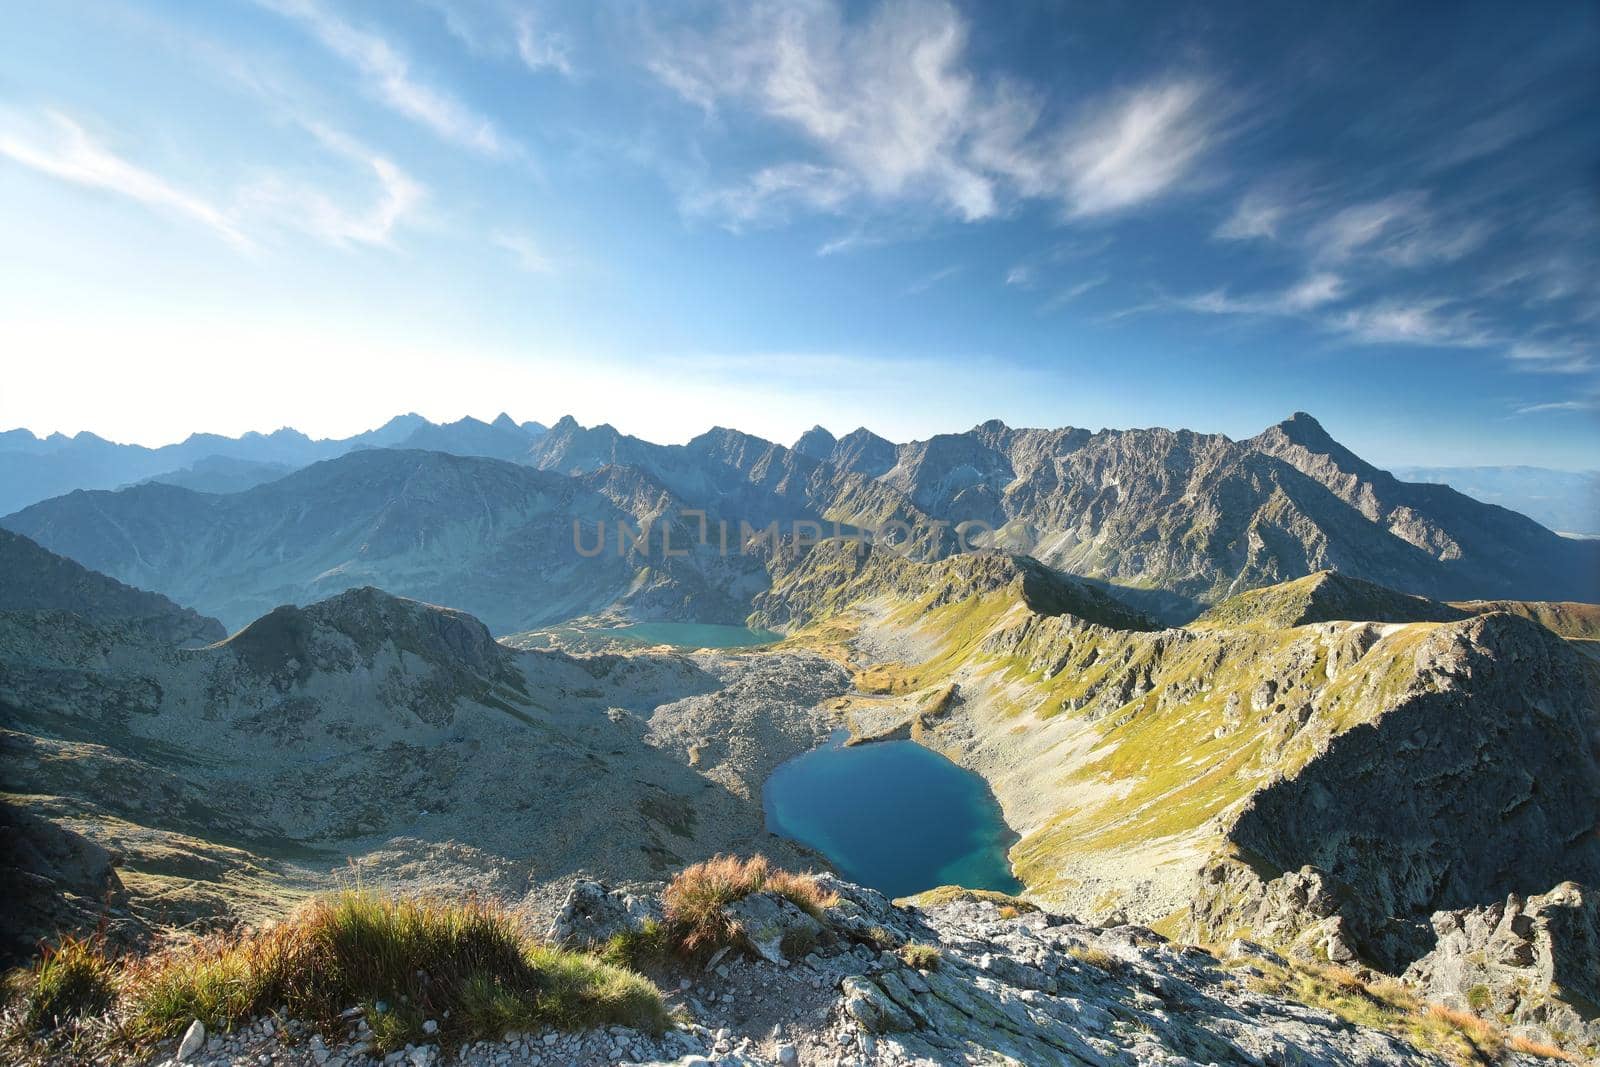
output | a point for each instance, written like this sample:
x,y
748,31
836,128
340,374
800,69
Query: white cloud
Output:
x,y
1559,405
1138,149
1416,322
389,77
923,284
894,111
72,155
770,193
528,255
1310,293
1073,292
1257,215
298,205
540,49
1400,230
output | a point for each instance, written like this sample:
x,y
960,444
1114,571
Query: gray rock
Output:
x,y
1534,963
194,1039
773,927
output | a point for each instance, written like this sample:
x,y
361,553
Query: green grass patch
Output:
x,y
73,980
468,966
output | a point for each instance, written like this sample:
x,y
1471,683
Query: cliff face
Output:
x,y
1479,779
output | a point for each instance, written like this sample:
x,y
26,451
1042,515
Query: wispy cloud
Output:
x,y
388,75
1559,405
69,153
896,113
1400,230
300,205
1259,214
1072,292
1138,148
524,250
1415,322
541,49
1308,294
923,284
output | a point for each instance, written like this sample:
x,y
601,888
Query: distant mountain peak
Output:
x,y
1305,430
817,442
504,422
566,422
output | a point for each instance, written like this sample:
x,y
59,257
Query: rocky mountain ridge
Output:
x,y
34,468
1324,785
1168,522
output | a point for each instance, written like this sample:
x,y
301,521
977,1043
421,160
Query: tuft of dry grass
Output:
x,y
1483,1040
1542,1049
922,957
1095,957
72,980
467,965
695,898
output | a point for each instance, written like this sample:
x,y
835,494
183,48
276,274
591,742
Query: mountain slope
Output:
x,y
376,729
1410,766
1564,501
34,579
1325,596
494,536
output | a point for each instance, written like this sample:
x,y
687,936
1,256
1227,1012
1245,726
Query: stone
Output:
x,y
1534,963
768,923
194,1039
593,913
870,1006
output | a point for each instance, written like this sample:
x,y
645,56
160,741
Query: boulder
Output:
x,y
772,927
593,913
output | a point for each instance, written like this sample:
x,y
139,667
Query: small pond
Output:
x,y
893,815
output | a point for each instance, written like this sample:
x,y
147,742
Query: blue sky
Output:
x,y
911,215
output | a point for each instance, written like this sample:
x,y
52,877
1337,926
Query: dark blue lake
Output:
x,y
893,815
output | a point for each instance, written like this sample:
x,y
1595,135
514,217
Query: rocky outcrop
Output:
x,y
1481,779
52,880
1533,962
33,578
986,983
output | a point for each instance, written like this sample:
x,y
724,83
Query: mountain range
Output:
x,y
34,468
1169,521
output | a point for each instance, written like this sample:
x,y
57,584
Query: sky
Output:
x,y
912,215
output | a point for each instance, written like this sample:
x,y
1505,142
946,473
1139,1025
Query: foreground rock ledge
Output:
x,y
1007,987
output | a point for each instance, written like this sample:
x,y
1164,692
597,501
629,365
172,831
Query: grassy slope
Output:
x,y
1164,736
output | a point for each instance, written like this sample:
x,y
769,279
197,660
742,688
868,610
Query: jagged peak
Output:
x,y
817,442
504,421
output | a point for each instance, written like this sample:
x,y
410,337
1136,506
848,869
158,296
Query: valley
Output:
x,y
1272,752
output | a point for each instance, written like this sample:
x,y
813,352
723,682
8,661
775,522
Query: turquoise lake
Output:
x,y
692,635
893,815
